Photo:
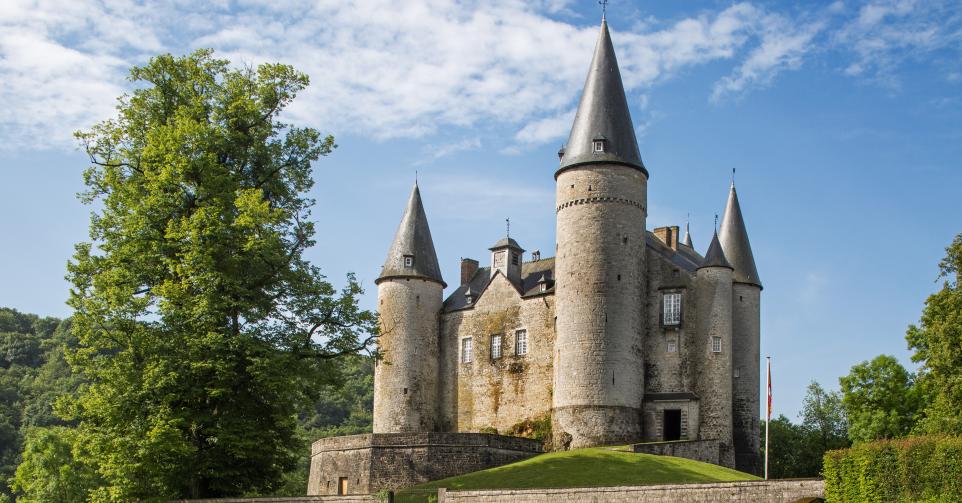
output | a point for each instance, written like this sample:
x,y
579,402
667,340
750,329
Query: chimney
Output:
x,y
536,255
468,268
668,235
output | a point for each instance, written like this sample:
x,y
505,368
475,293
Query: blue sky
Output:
x,y
843,119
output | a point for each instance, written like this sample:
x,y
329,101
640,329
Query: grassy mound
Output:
x,y
594,467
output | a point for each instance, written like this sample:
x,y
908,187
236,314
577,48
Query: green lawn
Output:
x,y
594,467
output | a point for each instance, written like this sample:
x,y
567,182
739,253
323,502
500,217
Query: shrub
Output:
x,y
912,469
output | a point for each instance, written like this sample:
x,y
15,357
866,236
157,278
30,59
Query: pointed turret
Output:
x,y
412,252
687,240
715,256
734,242
602,131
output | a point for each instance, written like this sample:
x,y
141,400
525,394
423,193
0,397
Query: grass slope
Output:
x,y
594,467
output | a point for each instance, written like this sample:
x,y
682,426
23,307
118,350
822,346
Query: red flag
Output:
x,y
769,416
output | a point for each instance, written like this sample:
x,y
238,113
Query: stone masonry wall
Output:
x,y
668,372
746,360
600,274
406,379
374,462
773,491
714,385
500,392
706,451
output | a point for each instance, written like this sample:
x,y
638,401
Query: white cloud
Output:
x,y
435,152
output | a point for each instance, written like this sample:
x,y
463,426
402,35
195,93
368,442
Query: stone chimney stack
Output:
x,y
469,266
668,235
536,255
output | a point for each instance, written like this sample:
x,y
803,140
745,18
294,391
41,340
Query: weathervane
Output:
x,y
604,7
507,227
733,177
716,222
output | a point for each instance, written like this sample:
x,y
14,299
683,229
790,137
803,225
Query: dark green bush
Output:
x,y
914,469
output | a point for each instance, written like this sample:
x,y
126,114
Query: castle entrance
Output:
x,y
671,425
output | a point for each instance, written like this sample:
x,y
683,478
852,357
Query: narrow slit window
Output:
x,y
672,307
521,342
716,344
467,347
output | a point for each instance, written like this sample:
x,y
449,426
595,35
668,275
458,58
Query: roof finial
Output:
x,y
507,227
604,8
716,223
415,177
733,177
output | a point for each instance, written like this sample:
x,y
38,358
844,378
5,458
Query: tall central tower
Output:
x,y
601,198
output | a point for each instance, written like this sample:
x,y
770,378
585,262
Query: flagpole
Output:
x,y
768,413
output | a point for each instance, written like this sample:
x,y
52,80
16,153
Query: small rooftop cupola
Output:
x,y
687,240
412,253
602,131
734,241
715,256
506,257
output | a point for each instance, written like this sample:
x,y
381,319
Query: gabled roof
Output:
x,y
413,238
532,273
715,256
734,241
602,114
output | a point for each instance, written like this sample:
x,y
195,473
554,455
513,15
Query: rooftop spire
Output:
x,y
412,252
687,240
715,256
734,241
602,131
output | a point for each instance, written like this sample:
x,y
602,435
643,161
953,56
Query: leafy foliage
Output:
x,y
926,468
33,373
202,331
937,342
880,399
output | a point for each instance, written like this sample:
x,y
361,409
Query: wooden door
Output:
x,y
342,486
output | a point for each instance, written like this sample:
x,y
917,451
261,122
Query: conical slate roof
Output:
x,y
687,240
734,241
715,256
413,239
602,114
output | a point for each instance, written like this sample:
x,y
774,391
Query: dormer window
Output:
x,y
409,261
544,287
598,145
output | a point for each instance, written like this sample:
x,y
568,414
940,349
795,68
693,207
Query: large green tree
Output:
x,y
880,399
937,341
203,331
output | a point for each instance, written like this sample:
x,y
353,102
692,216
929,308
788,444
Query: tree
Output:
x,y
937,341
202,330
50,471
879,399
786,457
825,426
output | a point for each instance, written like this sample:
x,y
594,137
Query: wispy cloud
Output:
x,y
390,69
435,152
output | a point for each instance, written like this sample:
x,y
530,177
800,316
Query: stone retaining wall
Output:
x,y
773,491
706,451
369,463
293,499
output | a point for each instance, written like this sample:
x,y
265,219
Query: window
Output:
x,y
409,261
496,346
521,342
598,145
467,346
544,287
672,345
716,344
738,371
514,259
672,314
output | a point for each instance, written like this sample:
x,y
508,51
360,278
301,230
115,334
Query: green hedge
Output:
x,y
927,469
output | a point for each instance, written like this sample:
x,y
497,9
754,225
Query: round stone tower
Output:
x,y
746,334
601,209
409,290
713,284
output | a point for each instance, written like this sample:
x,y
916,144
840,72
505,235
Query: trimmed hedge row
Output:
x,y
927,469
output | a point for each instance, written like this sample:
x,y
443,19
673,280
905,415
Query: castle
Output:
x,y
624,336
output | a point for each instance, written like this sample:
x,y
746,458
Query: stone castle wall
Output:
x,y
600,274
746,333
771,491
714,383
406,379
499,392
375,462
